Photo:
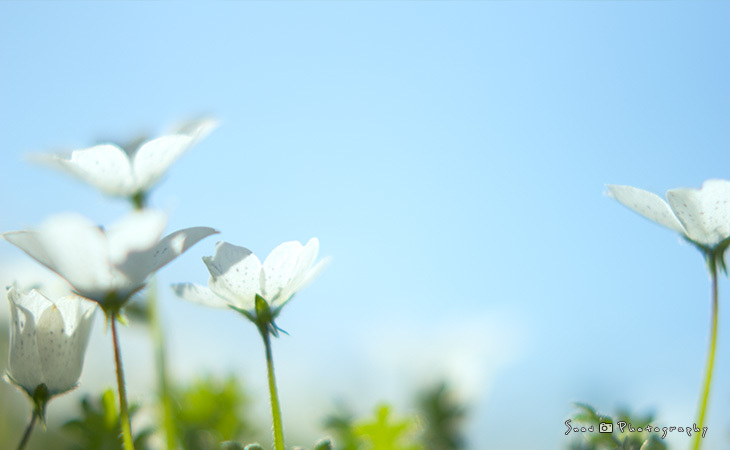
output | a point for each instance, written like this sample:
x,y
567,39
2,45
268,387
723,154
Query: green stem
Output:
x,y
275,408
139,202
124,409
710,354
161,363
28,430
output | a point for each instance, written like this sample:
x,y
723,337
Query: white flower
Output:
x,y
126,171
100,263
237,276
47,340
701,215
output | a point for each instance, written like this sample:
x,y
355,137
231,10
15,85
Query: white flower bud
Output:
x,y
47,340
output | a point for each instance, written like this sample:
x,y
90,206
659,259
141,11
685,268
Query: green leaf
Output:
x,y
444,419
100,428
210,412
386,433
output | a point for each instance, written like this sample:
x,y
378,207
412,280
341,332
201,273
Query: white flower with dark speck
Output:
x,y
47,340
106,264
237,276
701,215
130,170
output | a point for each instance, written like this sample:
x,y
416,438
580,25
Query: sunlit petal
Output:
x,y
48,341
704,212
199,294
138,265
154,158
234,274
106,167
648,205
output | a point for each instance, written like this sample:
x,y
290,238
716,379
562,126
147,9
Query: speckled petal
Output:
x,y
154,158
704,212
199,294
302,266
140,265
279,268
648,205
234,274
72,246
105,166
24,364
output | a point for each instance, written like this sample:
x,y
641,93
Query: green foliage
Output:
x,y
100,428
382,432
587,416
209,412
444,419
385,433
340,423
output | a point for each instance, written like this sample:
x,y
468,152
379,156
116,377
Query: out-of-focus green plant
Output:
x,y
595,440
381,432
443,418
100,426
439,425
341,424
209,412
386,433
323,444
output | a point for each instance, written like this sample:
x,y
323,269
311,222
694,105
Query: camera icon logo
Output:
x,y
605,427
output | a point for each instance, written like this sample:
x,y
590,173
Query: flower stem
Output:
x,y
139,202
712,262
28,430
161,363
124,409
275,408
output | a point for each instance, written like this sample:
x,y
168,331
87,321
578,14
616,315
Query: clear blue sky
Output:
x,y
452,158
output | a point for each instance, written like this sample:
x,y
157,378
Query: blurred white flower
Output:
x,y
701,215
127,171
237,276
47,340
106,265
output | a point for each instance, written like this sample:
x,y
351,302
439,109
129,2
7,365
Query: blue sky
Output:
x,y
451,157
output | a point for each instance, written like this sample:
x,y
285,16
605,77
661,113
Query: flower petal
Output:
x,y
704,212
279,268
156,156
73,247
199,294
60,365
136,232
197,129
647,204
314,273
234,274
24,364
105,166
139,265
302,266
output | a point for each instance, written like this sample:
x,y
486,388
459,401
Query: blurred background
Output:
x,y
452,159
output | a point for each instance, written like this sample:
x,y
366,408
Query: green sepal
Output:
x,y
245,313
40,397
263,316
139,200
263,312
714,256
